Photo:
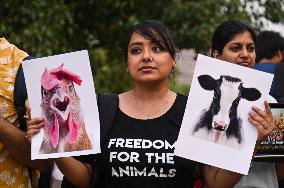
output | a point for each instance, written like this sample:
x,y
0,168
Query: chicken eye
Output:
x,y
71,88
45,94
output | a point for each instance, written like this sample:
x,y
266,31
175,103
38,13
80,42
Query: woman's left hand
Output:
x,y
263,121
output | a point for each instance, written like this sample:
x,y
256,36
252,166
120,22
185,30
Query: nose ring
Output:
x,y
148,59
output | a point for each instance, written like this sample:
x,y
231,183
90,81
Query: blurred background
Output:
x,y
44,28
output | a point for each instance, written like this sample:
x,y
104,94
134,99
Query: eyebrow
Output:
x,y
140,43
135,43
241,43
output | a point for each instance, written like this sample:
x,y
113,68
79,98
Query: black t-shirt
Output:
x,y
139,153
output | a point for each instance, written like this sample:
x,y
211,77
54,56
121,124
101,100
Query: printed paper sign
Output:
x,y
215,128
61,91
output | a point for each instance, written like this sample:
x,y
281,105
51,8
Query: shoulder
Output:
x,y
125,99
105,99
125,95
182,96
182,99
266,67
179,105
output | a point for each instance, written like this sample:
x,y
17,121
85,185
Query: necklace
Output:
x,y
164,100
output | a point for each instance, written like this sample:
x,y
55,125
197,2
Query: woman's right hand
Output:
x,y
33,127
263,121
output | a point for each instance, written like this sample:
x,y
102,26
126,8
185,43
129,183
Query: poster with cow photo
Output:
x,y
215,128
61,91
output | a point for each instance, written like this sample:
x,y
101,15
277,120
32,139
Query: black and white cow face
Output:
x,y
222,114
229,92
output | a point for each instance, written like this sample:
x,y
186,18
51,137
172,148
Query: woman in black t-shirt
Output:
x,y
139,150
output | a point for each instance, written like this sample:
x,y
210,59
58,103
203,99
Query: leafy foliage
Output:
x,y
51,27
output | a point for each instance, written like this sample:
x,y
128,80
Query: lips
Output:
x,y
145,68
245,63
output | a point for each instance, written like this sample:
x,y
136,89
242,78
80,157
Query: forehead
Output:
x,y
230,84
138,39
242,38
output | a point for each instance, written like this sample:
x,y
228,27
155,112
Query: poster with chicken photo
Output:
x,y
215,128
61,92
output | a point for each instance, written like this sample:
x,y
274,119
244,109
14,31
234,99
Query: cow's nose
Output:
x,y
219,125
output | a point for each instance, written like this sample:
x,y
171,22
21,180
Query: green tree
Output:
x,y
52,27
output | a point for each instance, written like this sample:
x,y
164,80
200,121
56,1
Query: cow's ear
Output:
x,y
251,94
207,82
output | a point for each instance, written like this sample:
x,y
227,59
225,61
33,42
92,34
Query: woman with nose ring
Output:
x,y
139,149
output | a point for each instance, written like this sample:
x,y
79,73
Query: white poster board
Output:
x,y
61,91
215,128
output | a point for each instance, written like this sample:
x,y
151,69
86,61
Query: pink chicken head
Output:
x,y
59,103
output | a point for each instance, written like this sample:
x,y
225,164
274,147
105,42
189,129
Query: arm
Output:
x,y
220,178
69,165
19,147
265,124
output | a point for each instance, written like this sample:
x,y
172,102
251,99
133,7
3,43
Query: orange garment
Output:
x,y
12,173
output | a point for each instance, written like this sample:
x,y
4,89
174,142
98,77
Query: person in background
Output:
x,y
269,58
234,42
150,111
15,151
269,52
279,81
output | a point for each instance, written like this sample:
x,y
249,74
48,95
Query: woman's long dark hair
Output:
x,y
226,31
157,33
